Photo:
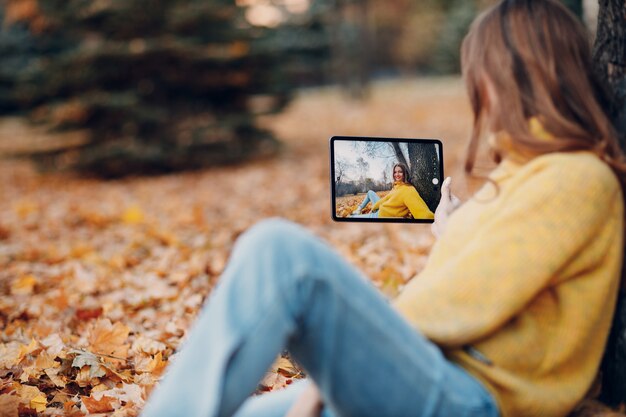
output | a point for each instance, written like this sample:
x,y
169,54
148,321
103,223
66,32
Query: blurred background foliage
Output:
x,y
121,87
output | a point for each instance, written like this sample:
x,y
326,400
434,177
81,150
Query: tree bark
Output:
x,y
424,167
399,154
609,58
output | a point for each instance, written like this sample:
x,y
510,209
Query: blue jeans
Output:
x,y
284,288
372,197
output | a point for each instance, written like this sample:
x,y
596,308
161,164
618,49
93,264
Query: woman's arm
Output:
x,y
376,206
538,227
416,205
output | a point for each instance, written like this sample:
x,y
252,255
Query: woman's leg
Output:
x,y
283,287
370,196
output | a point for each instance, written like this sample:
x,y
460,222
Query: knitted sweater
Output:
x,y
402,200
527,278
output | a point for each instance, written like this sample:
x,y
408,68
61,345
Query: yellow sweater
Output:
x,y
528,279
402,200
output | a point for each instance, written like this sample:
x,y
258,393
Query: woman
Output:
x,y
402,201
510,315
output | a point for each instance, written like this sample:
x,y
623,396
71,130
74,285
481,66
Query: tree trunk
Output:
x,y
399,154
609,57
424,165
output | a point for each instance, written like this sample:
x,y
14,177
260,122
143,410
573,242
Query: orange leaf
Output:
x,y
88,313
108,339
102,405
9,405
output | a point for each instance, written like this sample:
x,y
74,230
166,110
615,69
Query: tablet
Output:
x,y
385,179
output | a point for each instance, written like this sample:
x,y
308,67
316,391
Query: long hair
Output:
x,y
405,172
536,57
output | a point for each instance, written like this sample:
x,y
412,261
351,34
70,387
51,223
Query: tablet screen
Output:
x,y
385,179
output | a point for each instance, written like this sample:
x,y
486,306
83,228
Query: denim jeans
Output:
x,y
370,197
284,288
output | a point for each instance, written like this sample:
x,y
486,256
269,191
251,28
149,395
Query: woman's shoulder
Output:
x,y
581,169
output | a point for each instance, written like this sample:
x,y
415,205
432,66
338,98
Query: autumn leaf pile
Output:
x,y
346,205
100,280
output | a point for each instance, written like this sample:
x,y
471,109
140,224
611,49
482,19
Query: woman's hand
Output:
x,y
308,404
447,205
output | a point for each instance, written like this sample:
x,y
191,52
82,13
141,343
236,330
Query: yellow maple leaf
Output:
x,y
24,208
133,215
31,396
27,349
39,403
24,285
153,365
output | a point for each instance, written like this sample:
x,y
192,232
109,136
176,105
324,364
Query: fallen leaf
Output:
x,y
87,360
88,313
24,285
133,215
54,345
102,405
9,405
39,403
147,345
154,365
108,339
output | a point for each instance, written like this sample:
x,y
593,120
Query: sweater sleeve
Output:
x,y
376,206
416,205
541,224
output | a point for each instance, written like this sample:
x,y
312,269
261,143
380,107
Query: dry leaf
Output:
x,y
54,345
108,339
133,215
32,397
89,363
9,405
102,405
24,285
147,345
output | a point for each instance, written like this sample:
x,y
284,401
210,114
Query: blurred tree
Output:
x,y
350,46
610,64
154,85
459,16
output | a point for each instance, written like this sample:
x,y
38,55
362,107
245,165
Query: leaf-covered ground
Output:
x,y
100,280
346,205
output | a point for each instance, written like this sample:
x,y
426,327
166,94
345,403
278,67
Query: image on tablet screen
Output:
x,y
384,179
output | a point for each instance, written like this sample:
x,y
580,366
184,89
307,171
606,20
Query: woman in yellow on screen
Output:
x,y
402,201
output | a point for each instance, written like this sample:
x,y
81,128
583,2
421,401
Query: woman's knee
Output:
x,y
272,234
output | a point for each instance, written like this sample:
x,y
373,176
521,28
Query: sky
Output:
x,y
350,151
